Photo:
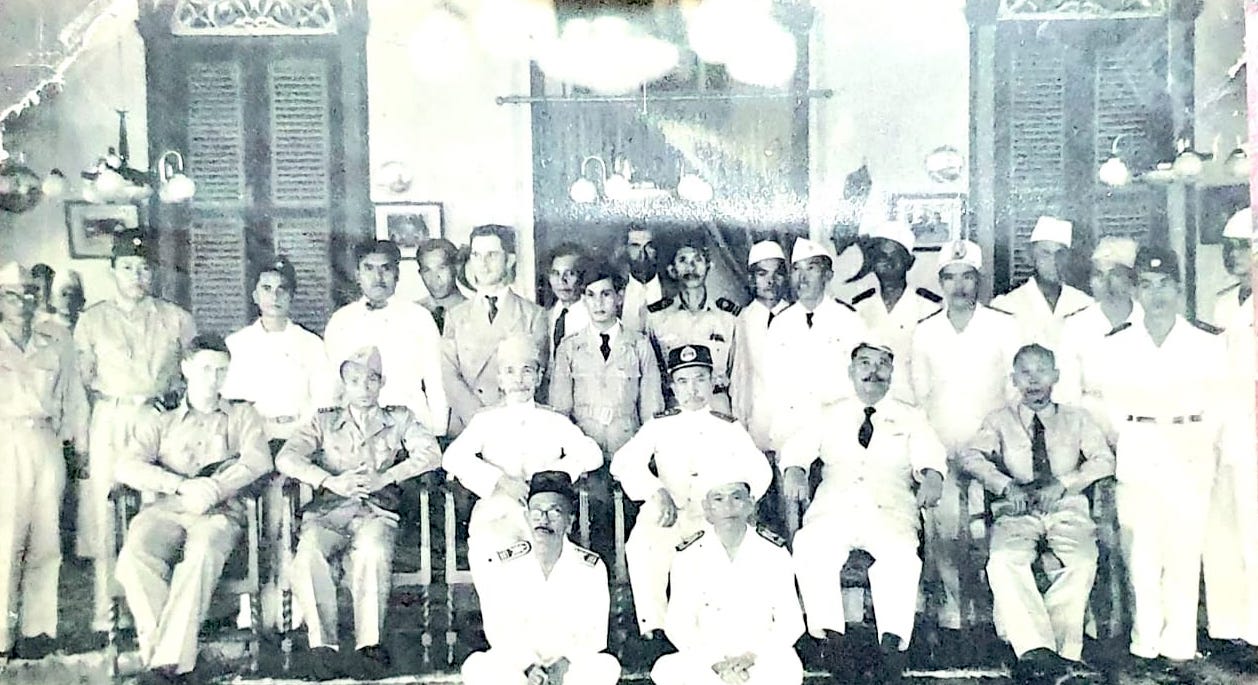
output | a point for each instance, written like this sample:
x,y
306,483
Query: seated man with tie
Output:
x,y
504,446
681,442
545,601
438,261
733,612
874,451
355,456
1037,458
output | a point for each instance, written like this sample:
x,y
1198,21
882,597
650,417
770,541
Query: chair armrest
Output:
x,y
124,503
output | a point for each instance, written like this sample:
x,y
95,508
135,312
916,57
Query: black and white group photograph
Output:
x,y
605,342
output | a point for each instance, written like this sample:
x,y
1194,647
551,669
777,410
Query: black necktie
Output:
x,y
866,432
1042,471
373,306
560,322
439,317
808,319
606,347
493,307
770,321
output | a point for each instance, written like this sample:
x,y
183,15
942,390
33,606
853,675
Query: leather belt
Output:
x,y
1193,418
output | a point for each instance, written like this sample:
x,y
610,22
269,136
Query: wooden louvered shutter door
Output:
x,y
300,180
216,225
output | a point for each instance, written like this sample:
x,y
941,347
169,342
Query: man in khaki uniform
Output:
x,y
41,404
349,455
129,350
190,463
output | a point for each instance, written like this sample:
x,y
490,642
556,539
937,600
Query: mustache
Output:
x,y
875,377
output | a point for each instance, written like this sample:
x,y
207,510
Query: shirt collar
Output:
x,y
1026,415
182,410
612,333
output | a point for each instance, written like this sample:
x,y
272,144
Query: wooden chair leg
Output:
x,y
255,630
111,648
286,629
621,572
583,517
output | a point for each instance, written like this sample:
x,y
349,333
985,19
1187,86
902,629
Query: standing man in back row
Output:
x,y
1042,303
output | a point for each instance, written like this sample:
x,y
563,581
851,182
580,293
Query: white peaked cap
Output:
x,y
807,249
1240,226
724,469
1052,229
1113,249
765,249
961,252
895,231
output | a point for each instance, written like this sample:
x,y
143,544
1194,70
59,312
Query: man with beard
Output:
x,y
959,359
749,381
691,318
438,262
681,442
875,450
1037,458
643,286
1165,376
474,332
567,316
129,349
733,613
41,405
889,310
403,331
545,602
807,344
1231,546
355,456
67,298
1042,303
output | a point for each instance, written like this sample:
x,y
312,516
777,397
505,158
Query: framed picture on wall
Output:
x,y
935,218
409,224
92,227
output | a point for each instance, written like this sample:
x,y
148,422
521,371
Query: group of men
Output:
x,y
886,424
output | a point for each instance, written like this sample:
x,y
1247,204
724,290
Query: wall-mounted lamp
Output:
x,y
619,188
1188,167
175,185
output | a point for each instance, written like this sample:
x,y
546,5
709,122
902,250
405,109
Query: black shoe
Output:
x,y
371,663
34,648
951,648
320,663
894,661
838,661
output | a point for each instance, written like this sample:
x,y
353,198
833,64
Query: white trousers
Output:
x,y
364,541
34,475
1231,593
822,547
649,553
1054,620
170,604
493,667
773,667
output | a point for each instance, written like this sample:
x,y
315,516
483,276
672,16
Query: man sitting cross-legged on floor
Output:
x,y
1038,457
355,456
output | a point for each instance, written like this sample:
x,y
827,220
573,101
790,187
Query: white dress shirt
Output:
x,y
894,328
749,382
577,319
1040,323
410,348
1082,335
637,296
283,373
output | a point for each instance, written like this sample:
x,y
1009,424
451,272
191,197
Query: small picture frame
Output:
x,y
409,224
936,218
92,226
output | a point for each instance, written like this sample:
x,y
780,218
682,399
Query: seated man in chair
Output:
x,y
1037,458
192,460
874,449
544,601
355,457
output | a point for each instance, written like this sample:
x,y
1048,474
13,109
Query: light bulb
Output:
x,y
1114,172
693,188
1188,164
54,185
1238,163
618,187
583,191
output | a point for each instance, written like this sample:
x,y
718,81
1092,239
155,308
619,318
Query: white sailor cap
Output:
x,y
895,231
1112,250
806,249
765,249
730,468
1052,229
961,252
1240,226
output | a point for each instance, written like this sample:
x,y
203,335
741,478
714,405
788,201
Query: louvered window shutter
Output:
x,y
216,259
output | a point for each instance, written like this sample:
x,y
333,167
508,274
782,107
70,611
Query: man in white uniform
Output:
x,y
749,382
403,331
809,345
890,311
1165,377
960,360
682,442
1044,301
545,602
875,451
733,612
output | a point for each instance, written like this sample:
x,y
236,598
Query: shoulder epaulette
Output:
x,y
1234,286
864,296
771,536
667,412
158,403
590,558
515,551
689,541
392,408
1208,328
327,410
1075,312
1001,311
929,295
850,307
728,306
93,305
659,306
1119,328
547,407
723,416
929,315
